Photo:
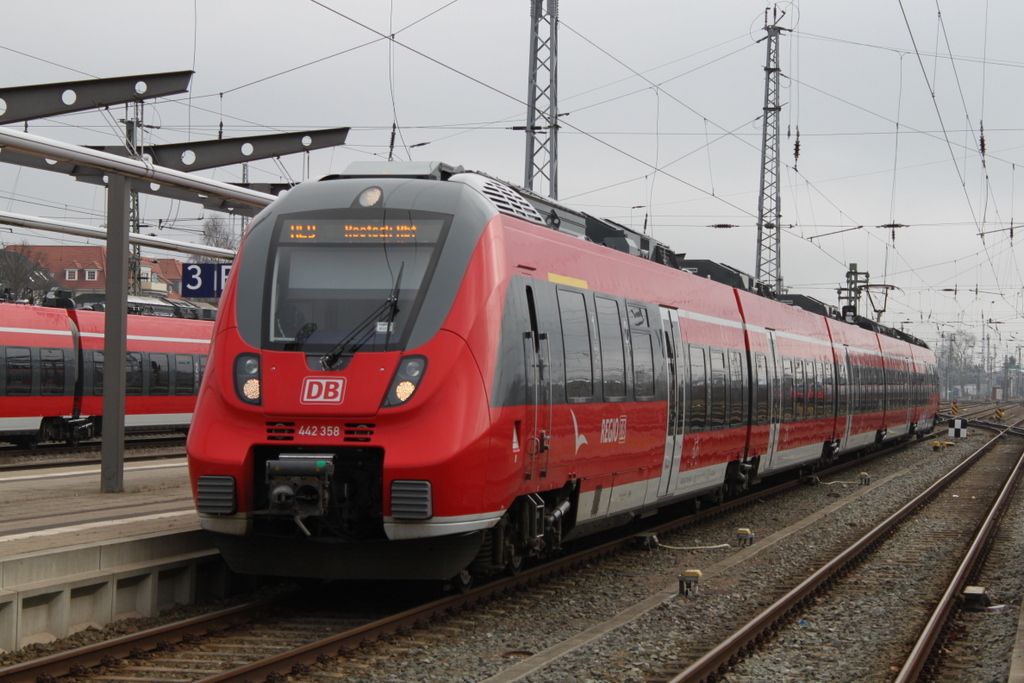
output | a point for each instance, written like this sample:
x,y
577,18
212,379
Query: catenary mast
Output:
x,y
768,267
542,100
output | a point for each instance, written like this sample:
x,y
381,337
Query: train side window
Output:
x,y
698,390
799,389
807,386
643,365
815,405
184,375
737,410
868,377
133,373
19,371
159,374
202,368
788,398
857,388
827,388
842,389
579,372
613,358
718,388
761,396
637,315
878,383
97,373
893,376
51,372
870,390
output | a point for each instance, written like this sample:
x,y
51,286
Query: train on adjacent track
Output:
x,y
52,371
426,373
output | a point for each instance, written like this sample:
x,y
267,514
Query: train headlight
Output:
x,y
247,378
406,380
370,197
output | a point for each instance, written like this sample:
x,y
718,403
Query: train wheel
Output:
x,y
29,442
462,582
515,565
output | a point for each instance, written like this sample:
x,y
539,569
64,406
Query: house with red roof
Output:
x,y
82,270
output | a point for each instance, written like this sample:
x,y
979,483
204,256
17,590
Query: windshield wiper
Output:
x,y
301,337
393,301
364,331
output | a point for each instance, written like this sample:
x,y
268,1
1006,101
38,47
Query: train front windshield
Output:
x,y
349,284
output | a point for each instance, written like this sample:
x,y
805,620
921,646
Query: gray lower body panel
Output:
x,y
426,558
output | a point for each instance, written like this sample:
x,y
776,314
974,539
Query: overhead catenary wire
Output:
x,y
809,211
523,103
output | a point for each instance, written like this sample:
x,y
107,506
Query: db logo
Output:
x,y
322,390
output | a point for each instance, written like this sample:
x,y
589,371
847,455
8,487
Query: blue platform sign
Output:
x,y
204,280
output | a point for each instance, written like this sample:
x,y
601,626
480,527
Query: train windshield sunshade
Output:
x,y
352,281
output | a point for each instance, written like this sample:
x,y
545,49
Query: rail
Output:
x,y
923,649
715,663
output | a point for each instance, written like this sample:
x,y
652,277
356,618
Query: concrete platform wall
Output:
x,y
49,595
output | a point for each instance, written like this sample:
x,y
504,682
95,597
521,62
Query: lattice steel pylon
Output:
x,y
768,266
542,100
132,137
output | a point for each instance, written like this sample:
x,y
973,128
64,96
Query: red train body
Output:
x,y
51,373
423,373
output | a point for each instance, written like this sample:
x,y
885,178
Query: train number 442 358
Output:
x,y
319,430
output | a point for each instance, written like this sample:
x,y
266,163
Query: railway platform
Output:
x,y
72,557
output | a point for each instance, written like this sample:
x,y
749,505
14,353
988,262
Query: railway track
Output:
x,y
184,650
871,581
61,455
979,411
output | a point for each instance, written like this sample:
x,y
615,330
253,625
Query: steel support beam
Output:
x,y
202,155
93,176
26,143
28,102
63,227
197,156
115,337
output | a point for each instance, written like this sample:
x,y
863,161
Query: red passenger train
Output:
x,y
51,373
421,372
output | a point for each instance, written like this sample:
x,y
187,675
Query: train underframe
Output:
x,y
70,430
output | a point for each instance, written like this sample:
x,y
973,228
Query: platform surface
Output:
x,y
63,507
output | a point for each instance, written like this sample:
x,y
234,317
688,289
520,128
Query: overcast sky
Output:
x,y
661,103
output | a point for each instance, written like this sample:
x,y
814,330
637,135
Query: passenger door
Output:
x,y
672,345
537,420
774,398
844,397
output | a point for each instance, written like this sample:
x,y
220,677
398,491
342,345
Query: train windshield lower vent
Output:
x,y
280,431
358,432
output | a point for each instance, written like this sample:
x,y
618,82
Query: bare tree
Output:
x,y
217,232
21,275
956,368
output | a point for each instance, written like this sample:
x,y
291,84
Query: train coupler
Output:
x,y
299,485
